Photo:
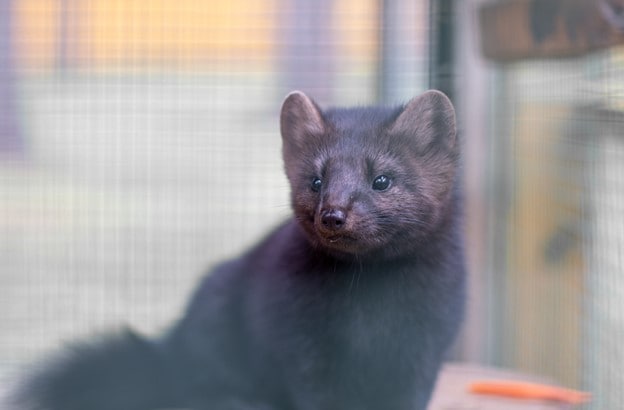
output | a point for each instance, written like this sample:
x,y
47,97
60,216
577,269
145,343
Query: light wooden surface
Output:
x,y
451,392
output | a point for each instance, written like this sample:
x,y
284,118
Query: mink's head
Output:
x,y
371,180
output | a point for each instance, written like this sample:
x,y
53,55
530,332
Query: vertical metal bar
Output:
x,y
382,70
442,47
11,138
402,50
307,48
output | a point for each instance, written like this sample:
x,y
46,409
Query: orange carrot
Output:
x,y
522,390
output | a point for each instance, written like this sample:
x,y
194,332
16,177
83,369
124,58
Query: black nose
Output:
x,y
333,218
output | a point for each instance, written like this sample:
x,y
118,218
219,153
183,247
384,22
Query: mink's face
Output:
x,y
366,181
353,200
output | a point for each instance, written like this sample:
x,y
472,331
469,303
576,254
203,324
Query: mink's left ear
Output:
x,y
428,118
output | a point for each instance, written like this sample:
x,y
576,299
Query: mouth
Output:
x,y
341,240
340,237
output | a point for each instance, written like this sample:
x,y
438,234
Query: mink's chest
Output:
x,y
378,339
381,317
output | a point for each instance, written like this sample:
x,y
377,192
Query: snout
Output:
x,y
333,219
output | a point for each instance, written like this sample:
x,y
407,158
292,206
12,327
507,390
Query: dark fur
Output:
x,y
316,316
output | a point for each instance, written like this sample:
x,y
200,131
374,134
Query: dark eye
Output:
x,y
316,184
381,183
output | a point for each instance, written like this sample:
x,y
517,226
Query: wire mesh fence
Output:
x,y
146,144
139,144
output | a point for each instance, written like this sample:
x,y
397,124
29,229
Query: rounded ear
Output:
x,y
429,118
300,117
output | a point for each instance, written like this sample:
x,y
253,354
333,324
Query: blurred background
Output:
x,y
139,144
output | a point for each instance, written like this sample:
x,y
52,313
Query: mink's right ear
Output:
x,y
302,128
300,119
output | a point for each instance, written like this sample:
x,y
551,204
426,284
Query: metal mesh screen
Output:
x,y
558,242
141,144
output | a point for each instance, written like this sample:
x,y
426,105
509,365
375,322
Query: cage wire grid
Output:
x,y
561,235
150,146
149,150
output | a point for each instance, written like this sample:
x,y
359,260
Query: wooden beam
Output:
x,y
525,29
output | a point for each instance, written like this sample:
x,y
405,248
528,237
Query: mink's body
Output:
x,y
351,304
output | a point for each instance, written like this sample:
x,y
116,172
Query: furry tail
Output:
x,y
125,372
